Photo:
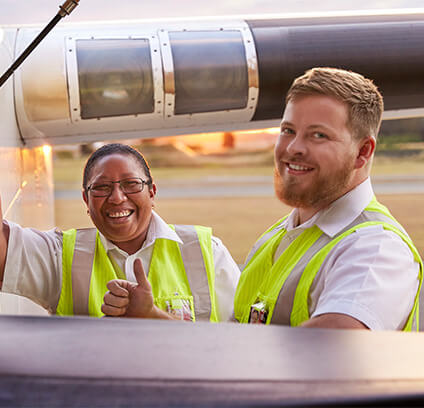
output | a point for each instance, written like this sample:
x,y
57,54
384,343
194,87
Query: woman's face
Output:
x,y
122,218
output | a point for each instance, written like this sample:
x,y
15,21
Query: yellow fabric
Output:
x,y
65,305
253,275
267,285
205,239
174,283
103,272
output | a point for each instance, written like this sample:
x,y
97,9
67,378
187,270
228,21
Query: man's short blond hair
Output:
x,y
362,98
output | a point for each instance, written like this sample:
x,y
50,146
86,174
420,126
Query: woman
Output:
x,y
191,273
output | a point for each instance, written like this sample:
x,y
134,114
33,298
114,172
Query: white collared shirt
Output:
x,y
370,275
34,264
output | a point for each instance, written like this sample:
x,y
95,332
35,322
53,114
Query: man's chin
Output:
x,y
282,192
294,202
288,196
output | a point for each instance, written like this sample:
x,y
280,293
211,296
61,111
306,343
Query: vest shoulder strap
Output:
x,y
267,235
77,274
197,256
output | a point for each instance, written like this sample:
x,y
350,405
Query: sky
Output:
x,y
41,11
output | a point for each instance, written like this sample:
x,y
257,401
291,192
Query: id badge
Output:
x,y
180,308
258,313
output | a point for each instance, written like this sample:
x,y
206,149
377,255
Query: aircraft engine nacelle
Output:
x,y
103,81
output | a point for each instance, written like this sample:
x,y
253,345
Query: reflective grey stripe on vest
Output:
x,y
82,266
284,304
195,269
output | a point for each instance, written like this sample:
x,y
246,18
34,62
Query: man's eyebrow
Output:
x,y
319,126
285,123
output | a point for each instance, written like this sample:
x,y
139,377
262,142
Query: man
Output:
x,y
191,275
339,260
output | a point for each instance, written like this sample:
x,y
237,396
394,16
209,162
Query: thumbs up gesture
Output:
x,y
129,299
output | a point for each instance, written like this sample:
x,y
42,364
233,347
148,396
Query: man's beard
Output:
x,y
320,194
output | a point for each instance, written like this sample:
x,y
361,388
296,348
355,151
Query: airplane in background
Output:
x,y
141,79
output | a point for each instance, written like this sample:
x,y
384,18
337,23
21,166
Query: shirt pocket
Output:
x,y
179,306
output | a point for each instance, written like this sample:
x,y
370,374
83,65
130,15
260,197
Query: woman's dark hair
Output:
x,y
114,148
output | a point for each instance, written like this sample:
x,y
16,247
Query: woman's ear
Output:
x,y
152,191
85,197
366,151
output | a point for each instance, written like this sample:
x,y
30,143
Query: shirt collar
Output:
x,y
158,228
338,214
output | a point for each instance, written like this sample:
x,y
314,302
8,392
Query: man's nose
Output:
x,y
297,145
117,195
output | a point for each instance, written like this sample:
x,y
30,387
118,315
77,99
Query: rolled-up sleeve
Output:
x,y
34,265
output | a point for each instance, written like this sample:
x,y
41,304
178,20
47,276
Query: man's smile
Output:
x,y
298,167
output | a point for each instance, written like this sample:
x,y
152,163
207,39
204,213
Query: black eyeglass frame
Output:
x,y
143,183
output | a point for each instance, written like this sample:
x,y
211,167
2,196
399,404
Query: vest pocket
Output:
x,y
179,306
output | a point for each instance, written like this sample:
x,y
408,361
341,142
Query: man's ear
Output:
x,y
366,150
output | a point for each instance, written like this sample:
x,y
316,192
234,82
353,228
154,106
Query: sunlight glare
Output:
x,y
47,149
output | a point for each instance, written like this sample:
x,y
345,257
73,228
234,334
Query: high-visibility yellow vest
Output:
x,y
180,275
284,286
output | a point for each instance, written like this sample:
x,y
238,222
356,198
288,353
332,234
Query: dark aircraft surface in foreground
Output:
x,y
88,362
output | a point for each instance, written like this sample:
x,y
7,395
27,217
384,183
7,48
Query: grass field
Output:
x,y
238,221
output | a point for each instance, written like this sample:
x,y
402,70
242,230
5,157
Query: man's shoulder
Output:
x,y
374,238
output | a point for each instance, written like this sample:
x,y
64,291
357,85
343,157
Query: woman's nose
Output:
x,y
117,195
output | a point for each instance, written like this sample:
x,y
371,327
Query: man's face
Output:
x,y
315,155
121,218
